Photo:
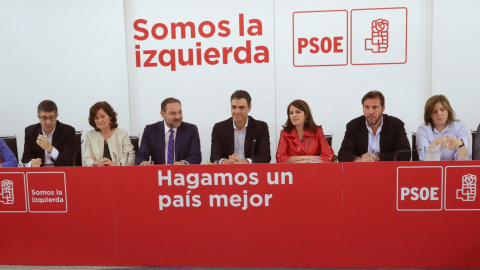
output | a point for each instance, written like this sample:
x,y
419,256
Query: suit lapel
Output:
x,y
161,143
40,152
249,137
364,137
178,140
112,143
383,135
57,135
230,136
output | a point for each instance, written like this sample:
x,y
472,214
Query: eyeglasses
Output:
x,y
51,118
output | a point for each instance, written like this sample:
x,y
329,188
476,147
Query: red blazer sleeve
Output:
x,y
282,150
326,151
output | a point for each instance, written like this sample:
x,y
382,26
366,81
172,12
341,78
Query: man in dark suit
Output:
x,y
240,139
374,136
48,143
171,141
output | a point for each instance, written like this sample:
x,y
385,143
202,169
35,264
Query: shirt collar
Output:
x,y
51,133
370,128
235,127
167,129
445,130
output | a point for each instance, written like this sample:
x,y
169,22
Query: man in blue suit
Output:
x,y
171,141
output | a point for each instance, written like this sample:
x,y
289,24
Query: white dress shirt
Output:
x,y
374,140
456,129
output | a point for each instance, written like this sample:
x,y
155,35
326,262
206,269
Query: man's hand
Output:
x,y
36,162
178,163
238,160
234,159
146,163
228,161
43,142
367,157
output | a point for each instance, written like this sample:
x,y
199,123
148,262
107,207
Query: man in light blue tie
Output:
x,y
171,141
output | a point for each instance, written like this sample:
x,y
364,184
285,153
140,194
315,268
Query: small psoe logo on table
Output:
x,y
468,192
379,41
7,192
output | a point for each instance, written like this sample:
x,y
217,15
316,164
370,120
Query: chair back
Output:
x,y
329,139
474,132
77,141
414,146
11,142
135,140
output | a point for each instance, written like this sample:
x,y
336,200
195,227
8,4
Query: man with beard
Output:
x,y
374,136
171,141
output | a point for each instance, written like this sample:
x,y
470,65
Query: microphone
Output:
x,y
253,147
405,151
76,152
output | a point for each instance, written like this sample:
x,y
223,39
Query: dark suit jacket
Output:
x,y
392,139
63,141
223,143
187,144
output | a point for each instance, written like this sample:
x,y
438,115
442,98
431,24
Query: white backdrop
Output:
x,y
72,52
454,59
80,52
204,90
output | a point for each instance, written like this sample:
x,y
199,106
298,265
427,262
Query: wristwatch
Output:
x,y
462,145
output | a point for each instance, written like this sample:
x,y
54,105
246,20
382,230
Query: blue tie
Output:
x,y
171,148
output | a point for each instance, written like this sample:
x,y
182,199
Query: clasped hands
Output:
x,y
234,159
309,159
104,162
149,163
447,142
367,157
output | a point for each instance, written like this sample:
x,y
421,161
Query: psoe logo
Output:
x,y
378,43
420,188
378,36
320,38
420,193
461,188
7,192
468,192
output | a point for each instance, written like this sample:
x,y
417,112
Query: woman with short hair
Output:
x,y
442,128
106,138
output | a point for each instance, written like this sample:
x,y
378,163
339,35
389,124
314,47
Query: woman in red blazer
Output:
x,y
301,140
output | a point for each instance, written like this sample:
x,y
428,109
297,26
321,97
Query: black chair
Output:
x,y
11,142
414,146
474,132
135,140
329,141
77,142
